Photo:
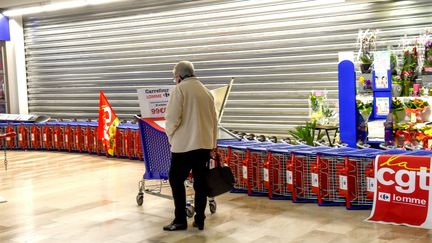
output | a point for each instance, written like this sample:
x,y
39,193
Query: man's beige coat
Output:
x,y
191,121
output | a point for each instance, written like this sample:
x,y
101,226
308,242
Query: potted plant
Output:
x,y
426,41
398,110
305,133
366,64
396,86
427,66
415,108
366,41
408,72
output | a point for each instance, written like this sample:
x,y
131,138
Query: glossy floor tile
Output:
x,y
61,197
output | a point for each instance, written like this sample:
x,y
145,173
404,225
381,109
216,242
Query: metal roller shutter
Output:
x,y
277,51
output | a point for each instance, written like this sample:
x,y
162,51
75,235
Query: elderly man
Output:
x,y
191,126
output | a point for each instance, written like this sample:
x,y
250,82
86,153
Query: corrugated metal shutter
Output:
x,y
277,51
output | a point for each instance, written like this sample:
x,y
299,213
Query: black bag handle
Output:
x,y
217,159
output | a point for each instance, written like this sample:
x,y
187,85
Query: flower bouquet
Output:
x,y
365,109
406,135
398,110
425,135
415,108
319,111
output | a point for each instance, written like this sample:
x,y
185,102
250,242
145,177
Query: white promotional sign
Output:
x,y
381,79
382,106
153,101
381,60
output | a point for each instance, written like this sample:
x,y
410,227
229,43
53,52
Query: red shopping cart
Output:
x,y
325,170
277,159
224,149
302,178
370,174
258,168
352,178
238,159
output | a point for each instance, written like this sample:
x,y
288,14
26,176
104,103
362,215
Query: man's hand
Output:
x,y
213,153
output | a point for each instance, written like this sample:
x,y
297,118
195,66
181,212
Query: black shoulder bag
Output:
x,y
219,179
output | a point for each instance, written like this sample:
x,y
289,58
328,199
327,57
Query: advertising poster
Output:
x,y
382,106
153,101
381,79
402,191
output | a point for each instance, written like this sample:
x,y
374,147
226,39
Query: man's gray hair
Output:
x,y
184,69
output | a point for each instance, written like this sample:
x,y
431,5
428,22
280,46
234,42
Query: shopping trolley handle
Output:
x,y
321,143
7,135
363,146
386,147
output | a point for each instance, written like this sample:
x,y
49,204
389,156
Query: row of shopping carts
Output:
x,y
323,175
71,136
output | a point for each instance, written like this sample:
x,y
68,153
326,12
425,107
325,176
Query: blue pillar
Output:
x,y
347,103
4,28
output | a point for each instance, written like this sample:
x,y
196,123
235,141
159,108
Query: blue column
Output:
x,y
347,103
4,28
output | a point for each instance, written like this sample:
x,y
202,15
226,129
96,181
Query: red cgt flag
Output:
x,y
107,124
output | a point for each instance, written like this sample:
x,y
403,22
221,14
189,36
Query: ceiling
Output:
x,y
14,3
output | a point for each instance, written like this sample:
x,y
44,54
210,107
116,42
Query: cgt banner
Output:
x,y
403,192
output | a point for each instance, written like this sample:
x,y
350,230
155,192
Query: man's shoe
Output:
x,y
173,226
199,226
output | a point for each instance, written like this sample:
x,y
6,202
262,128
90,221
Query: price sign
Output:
x,y
153,101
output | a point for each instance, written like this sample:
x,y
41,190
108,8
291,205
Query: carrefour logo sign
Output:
x,y
387,197
384,196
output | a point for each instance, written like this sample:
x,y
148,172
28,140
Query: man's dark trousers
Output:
x,y
181,165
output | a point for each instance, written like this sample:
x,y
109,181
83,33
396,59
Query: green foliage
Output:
x,y
410,61
305,133
397,105
364,107
393,61
416,104
327,112
315,102
366,59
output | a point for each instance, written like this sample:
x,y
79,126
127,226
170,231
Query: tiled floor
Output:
x,y
60,197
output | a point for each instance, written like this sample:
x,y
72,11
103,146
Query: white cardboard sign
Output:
x,y
153,101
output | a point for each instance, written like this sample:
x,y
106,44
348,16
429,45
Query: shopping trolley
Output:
x,y
301,162
156,150
224,149
370,171
277,159
258,168
238,155
352,178
325,172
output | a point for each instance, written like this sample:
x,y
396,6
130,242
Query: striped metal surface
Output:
x,y
277,51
